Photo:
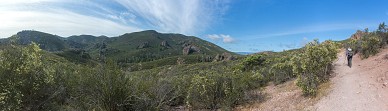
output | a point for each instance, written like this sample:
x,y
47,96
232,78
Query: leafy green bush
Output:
x,y
276,67
382,32
213,90
25,84
370,46
252,62
156,92
31,80
281,70
313,65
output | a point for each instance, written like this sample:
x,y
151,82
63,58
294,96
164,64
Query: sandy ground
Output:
x,y
283,97
364,87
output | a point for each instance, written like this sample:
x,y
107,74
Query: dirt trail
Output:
x,y
364,87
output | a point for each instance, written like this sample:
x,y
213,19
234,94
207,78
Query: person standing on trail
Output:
x,y
349,56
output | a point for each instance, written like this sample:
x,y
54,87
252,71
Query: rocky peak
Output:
x,y
190,49
358,34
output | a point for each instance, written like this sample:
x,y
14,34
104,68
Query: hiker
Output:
x,y
349,56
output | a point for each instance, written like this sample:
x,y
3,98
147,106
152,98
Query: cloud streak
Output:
x,y
48,16
182,16
225,38
50,22
108,17
213,36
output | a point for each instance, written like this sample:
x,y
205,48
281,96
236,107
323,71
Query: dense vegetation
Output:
x,y
35,79
310,64
32,79
369,43
314,64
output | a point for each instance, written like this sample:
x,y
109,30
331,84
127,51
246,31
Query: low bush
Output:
x,y
212,90
281,70
314,64
370,46
252,62
25,81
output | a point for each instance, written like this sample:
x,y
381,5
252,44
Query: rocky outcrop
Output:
x,y
165,44
144,45
190,49
224,57
207,58
358,34
185,45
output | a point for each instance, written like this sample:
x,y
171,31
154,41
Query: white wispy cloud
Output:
x,y
18,2
225,38
45,15
214,36
108,17
61,23
182,16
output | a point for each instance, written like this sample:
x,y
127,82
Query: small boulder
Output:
x,y
224,57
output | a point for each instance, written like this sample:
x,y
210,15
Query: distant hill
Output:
x,y
47,41
244,53
127,49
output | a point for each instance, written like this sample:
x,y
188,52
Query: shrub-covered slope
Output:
x,y
128,49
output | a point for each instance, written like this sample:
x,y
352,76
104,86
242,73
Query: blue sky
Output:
x,y
236,25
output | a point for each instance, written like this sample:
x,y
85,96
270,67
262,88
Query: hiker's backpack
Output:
x,y
350,54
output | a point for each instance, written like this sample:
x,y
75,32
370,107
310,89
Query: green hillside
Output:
x,y
150,45
47,41
146,48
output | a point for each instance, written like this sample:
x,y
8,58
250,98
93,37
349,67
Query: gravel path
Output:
x,y
364,87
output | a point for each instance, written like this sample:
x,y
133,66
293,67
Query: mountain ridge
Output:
x,y
127,49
